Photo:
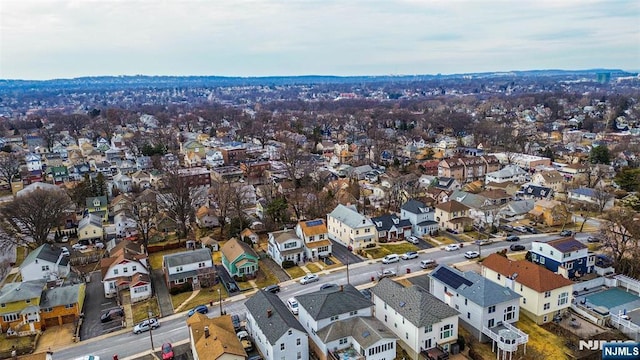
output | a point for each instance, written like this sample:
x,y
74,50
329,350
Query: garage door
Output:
x,y
68,319
51,322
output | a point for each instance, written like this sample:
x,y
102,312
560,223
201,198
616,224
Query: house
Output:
x,y
566,256
339,321
165,223
58,174
421,217
421,321
249,235
98,205
141,180
515,210
549,178
20,307
512,173
206,217
276,332
453,215
446,183
126,268
531,191
466,169
125,225
391,228
284,245
239,259
193,266
33,161
315,235
486,308
549,212
90,228
597,198
348,227
120,203
214,338
214,158
45,262
62,305
545,295
481,209
123,183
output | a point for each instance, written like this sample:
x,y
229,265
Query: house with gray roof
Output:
x,y
421,217
487,309
274,329
516,210
63,304
391,228
422,321
285,245
350,228
45,262
193,267
340,323
513,173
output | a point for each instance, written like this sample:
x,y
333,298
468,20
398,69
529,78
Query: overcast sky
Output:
x,y
61,39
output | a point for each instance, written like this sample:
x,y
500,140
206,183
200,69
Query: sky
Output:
x,y
47,39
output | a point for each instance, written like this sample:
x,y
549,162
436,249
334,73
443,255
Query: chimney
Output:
x,y
206,332
269,312
341,287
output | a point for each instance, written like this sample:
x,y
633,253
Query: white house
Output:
x,y
350,228
192,266
566,256
421,321
45,262
125,226
597,197
34,162
509,173
340,320
275,331
487,309
284,245
315,235
421,216
122,182
545,295
214,158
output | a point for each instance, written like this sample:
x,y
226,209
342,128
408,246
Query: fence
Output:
x,y
626,326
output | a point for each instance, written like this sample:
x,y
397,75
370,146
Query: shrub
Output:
x,y
180,289
369,246
288,264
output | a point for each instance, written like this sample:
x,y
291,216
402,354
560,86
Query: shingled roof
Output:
x,y
325,303
271,315
533,276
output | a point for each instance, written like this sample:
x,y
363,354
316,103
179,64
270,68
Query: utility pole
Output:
x,y
220,301
149,313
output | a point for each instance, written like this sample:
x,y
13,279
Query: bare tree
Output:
x,y
180,199
144,210
220,194
620,232
9,167
36,213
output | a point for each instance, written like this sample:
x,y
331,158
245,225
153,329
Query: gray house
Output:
x,y
421,217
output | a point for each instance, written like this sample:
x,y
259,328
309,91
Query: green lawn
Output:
x,y
378,252
295,272
141,309
399,248
204,297
264,278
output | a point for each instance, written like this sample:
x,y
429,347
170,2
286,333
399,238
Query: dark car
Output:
x,y
593,239
566,233
516,247
167,351
111,315
235,319
366,293
328,286
202,309
272,288
232,287
512,238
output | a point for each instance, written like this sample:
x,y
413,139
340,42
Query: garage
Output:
x,y
51,322
68,319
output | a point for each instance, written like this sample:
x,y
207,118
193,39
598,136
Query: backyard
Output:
x,y
23,345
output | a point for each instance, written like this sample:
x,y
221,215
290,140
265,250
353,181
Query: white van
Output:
x,y
292,304
391,258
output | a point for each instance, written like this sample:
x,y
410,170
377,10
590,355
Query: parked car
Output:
x,y
471,254
391,258
566,233
146,325
99,245
520,228
167,351
512,238
292,304
65,251
235,319
517,247
413,239
232,287
507,227
255,357
202,309
593,239
328,286
366,293
452,247
64,239
428,264
483,242
111,315
386,273
272,288
79,247
309,278
243,336
409,255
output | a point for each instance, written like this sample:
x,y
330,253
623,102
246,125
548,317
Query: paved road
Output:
x,y
173,329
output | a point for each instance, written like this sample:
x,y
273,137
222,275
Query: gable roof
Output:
x,y
473,286
90,219
234,248
63,295
531,275
18,291
537,191
102,199
414,303
329,302
187,257
283,236
313,227
271,315
349,216
366,331
415,207
387,221
222,338
452,206
45,252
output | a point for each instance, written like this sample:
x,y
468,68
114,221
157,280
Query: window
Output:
x,y
281,346
179,268
47,309
570,266
367,230
406,335
289,332
547,294
69,306
125,270
28,301
140,289
353,312
299,356
428,328
298,342
499,276
465,301
10,317
490,323
563,298
492,309
179,281
446,331
45,267
134,268
509,313
201,265
3,305
385,318
551,252
343,341
335,317
321,236
547,306
545,318
468,315
524,300
115,271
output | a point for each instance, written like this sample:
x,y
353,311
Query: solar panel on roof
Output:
x,y
314,223
450,278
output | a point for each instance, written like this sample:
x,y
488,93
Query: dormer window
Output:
x,y
96,202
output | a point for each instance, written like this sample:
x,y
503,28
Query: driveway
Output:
x,y
162,292
94,305
227,281
345,256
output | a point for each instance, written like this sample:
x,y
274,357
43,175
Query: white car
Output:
x,y
99,245
452,247
64,239
471,254
409,255
79,247
292,304
391,258
309,278
412,239
65,251
146,325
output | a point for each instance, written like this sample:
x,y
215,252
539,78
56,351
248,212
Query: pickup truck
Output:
x,y
386,273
